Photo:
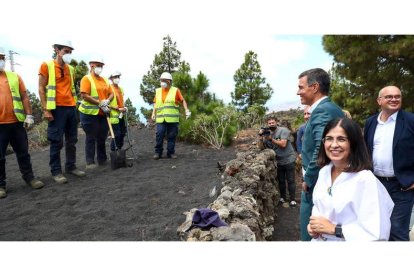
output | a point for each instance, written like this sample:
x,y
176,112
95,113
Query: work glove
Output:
x,y
121,115
125,109
105,109
187,114
29,121
104,103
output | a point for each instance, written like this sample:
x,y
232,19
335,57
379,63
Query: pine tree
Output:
x,y
251,88
367,63
36,107
168,60
132,112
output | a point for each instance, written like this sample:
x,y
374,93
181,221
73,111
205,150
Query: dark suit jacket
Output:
x,y
402,145
321,115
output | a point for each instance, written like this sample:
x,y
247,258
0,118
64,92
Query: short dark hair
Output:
x,y
271,116
320,76
359,158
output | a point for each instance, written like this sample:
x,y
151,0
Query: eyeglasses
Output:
x,y
340,140
390,97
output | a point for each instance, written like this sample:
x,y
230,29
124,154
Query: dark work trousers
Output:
x,y
169,129
96,130
16,135
119,132
65,125
286,173
403,205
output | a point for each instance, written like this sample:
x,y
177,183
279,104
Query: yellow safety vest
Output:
x,y
86,107
167,111
51,86
114,115
18,108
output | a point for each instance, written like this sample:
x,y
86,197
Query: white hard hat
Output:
x,y
2,52
166,76
114,74
65,43
97,60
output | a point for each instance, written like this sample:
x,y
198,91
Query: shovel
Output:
x,y
118,157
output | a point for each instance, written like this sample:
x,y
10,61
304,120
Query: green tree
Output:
x,y
132,115
200,86
168,60
36,107
81,69
367,63
251,88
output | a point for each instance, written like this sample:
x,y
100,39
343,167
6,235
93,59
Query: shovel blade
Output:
x,y
118,159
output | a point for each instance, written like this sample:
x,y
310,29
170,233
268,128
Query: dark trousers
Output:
x,y
16,135
65,125
96,130
169,129
306,205
286,173
119,132
403,205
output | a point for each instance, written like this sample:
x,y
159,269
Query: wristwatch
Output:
x,y
338,231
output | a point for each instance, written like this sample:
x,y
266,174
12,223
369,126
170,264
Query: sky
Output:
x,y
213,36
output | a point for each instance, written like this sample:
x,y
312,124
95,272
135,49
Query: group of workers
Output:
x,y
101,105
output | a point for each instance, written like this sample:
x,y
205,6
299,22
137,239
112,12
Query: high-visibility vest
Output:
x,y
51,86
168,110
86,107
18,108
114,115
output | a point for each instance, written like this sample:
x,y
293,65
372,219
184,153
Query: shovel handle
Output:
x,y
110,127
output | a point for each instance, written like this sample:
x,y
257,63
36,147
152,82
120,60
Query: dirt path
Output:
x,y
142,203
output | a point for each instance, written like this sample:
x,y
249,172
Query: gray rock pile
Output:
x,y
246,201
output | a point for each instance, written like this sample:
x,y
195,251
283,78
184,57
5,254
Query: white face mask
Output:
x,y
67,58
164,84
2,65
98,70
116,81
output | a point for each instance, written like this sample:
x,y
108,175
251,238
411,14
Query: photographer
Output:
x,y
277,138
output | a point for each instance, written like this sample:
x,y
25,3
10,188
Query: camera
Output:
x,y
265,131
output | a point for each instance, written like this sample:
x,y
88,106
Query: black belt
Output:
x,y
386,178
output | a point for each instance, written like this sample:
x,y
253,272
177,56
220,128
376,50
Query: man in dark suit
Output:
x,y
313,90
389,136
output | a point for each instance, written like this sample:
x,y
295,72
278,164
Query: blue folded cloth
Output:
x,y
206,218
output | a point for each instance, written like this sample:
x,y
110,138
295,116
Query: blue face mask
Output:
x,y
164,84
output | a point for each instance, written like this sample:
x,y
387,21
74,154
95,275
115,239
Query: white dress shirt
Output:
x,y
382,152
358,201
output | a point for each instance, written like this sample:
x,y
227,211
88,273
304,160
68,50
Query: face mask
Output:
x,y
164,84
98,70
2,65
116,81
67,58
272,128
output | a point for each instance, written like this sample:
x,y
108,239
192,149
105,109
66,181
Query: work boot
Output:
x,y
36,184
156,156
3,193
172,156
60,179
77,172
91,166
